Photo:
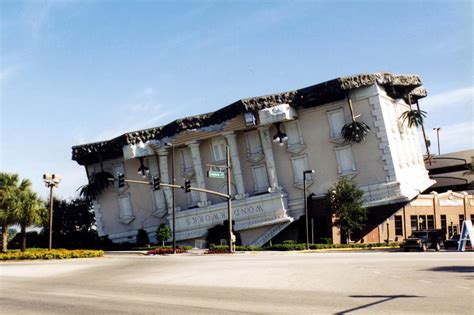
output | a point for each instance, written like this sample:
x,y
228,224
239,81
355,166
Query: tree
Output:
x,y
142,238
11,192
415,117
8,186
73,224
344,200
98,182
163,233
354,131
27,211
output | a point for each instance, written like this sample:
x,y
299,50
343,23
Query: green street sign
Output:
x,y
215,174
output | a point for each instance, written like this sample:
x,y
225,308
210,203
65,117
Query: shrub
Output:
x,y
225,248
53,254
166,250
142,238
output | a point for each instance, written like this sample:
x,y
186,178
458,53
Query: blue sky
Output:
x,y
73,72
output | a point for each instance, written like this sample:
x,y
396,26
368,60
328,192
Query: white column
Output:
x,y
157,195
269,159
200,179
163,157
236,168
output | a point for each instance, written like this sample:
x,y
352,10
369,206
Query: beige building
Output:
x,y
445,211
444,205
267,177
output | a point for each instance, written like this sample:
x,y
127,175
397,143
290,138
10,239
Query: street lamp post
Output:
x,y
51,181
438,129
306,204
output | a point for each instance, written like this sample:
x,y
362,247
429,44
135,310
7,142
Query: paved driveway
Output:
x,y
341,282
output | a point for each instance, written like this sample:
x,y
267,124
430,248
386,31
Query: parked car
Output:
x,y
453,242
422,240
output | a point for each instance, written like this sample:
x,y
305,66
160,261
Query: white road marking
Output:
x,y
466,288
424,281
377,272
394,276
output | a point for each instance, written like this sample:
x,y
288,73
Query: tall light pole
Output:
x,y
51,181
306,204
229,199
173,195
438,129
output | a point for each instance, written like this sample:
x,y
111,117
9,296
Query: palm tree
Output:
x,y
11,191
8,185
98,182
415,117
354,131
28,211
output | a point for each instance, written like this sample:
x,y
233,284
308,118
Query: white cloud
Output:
x,y
144,108
146,92
8,72
449,99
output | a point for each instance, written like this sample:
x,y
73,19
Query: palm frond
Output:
x,y
97,184
413,117
355,131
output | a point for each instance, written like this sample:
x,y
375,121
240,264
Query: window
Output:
x,y
414,223
260,178
461,220
193,196
336,122
345,162
219,149
254,147
125,207
430,222
398,225
443,223
293,132
300,164
187,160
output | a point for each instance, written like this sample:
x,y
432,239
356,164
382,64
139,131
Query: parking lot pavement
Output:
x,y
264,282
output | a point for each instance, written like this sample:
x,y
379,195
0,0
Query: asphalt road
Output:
x,y
293,283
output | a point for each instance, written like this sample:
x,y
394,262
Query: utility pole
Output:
x,y
173,194
438,129
229,199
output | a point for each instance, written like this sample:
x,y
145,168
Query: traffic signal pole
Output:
x,y
229,199
188,188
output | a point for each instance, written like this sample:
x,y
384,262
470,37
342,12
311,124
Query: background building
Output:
x,y
267,177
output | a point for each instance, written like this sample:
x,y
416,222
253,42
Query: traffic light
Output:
x,y
187,185
121,180
156,183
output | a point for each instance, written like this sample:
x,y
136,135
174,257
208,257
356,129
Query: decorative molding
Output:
x,y
295,148
255,158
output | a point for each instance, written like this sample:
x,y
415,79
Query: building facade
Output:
x,y
267,177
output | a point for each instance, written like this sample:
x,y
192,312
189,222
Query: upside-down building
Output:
x,y
267,178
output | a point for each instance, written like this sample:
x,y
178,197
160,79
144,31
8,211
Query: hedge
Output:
x,y
292,245
225,248
53,254
166,250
